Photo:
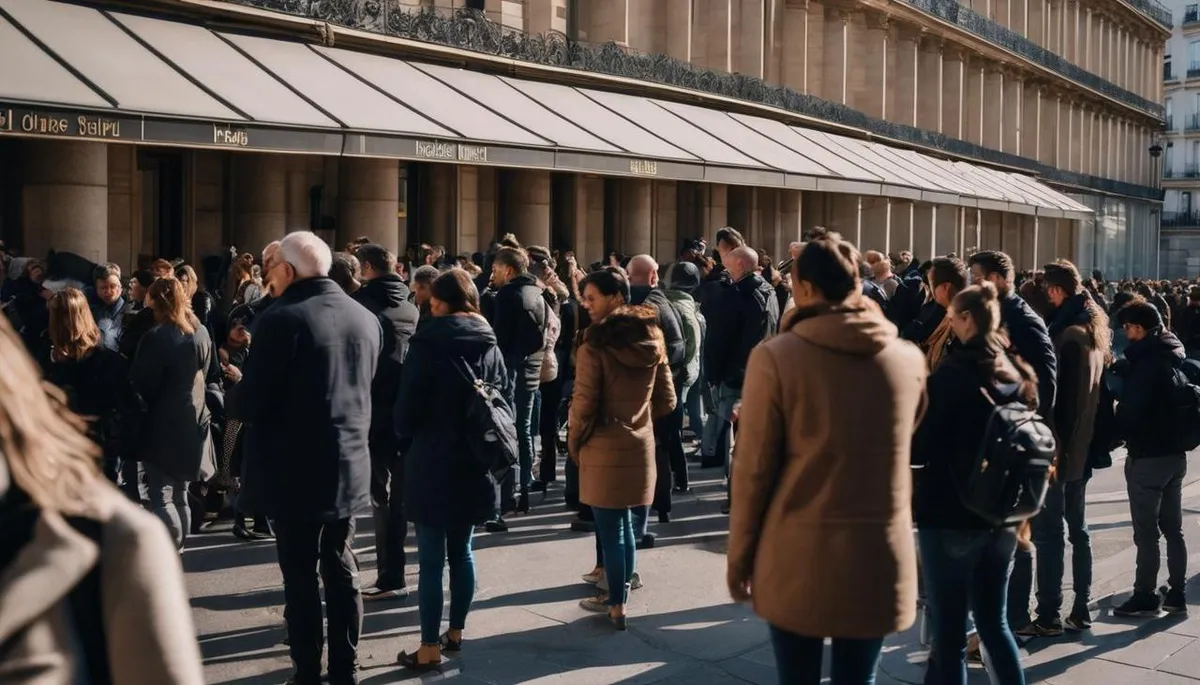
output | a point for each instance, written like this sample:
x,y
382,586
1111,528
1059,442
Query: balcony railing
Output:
x,y
1181,220
1154,10
1168,73
1191,171
468,30
1170,123
1191,16
964,17
1192,123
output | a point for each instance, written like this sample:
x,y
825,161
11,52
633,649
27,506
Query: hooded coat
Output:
x,y
443,485
622,383
821,519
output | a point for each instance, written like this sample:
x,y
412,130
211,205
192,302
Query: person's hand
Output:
x,y
739,585
233,373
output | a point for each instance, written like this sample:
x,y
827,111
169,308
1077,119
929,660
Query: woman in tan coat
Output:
x,y
90,585
821,534
622,383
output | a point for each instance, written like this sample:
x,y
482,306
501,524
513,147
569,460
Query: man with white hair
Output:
x,y
305,396
746,315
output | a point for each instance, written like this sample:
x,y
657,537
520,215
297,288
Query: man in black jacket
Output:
x,y
744,316
305,397
1155,468
668,431
386,296
518,315
1028,335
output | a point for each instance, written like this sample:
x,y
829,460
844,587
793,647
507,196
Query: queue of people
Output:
x,y
316,386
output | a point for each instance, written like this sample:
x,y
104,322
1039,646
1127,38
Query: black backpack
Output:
x,y
1008,482
1184,416
491,425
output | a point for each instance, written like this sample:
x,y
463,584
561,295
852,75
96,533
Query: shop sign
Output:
x,y
230,136
451,152
89,126
643,167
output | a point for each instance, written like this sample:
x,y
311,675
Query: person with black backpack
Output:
x,y
1157,415
967,528
449,482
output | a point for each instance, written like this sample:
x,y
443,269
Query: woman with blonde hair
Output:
x,y
61,619
169,373
203,304
94,379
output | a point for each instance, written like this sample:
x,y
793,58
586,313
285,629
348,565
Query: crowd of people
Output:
x,y
303,387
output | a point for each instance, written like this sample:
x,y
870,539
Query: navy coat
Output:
x,y
305,397
442,484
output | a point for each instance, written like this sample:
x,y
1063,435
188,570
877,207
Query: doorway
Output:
x,y
163,222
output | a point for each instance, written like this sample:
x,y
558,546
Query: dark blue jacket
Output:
x,y
1143,414
744,315
305,396
1028,335
387,298
443,485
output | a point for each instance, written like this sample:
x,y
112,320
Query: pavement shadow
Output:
x,y
241,601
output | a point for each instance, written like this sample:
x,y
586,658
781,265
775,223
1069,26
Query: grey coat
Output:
x,y
168,372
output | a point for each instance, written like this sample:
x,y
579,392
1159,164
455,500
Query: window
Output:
x,y
1185,202
1168,168
1193,57
475,4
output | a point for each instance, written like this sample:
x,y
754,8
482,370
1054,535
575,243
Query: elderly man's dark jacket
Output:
x,y
306,397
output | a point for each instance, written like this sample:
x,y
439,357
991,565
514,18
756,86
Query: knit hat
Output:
x,y
685,276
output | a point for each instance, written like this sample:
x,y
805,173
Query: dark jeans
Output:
x,y
967,570
391,528
523,399
1065,502
798,659
132,482
168,500
1020,587
550,398
662,463
614,529
435,546
1155,505
304,547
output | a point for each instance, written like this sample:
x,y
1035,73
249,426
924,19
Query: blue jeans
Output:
x,y
798,659
968,570
435,546
695,409
717,431
614,528
1065,502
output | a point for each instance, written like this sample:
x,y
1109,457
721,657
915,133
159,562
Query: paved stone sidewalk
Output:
x,y
526,625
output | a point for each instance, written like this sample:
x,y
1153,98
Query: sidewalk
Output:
x,y
526,625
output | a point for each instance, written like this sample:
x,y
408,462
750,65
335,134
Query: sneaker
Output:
x,y
635,583
1078,621
594,576
647,541
376,594
1042,627
496,526
1139,605
1174,601
597,604
581,526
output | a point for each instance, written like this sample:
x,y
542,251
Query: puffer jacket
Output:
x,y
1143,415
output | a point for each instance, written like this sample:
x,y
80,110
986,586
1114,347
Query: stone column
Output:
x,y
929,82
901,227
208,205
529,206
588,233
973,107
260,199
945,238
665,245
1086,41
1045,241
842,214
487,187
369,197
1030,143
1036,28
953,91
991,230
467,236
875,224
836,46
1047,130
1000,12
791,224
748,37
865,50
814,49
905,89
441,198
637,216
679,29
1018,16
719,37
716,208
125,206
924,230
1010,125
608,21
790,46
65,198
993,109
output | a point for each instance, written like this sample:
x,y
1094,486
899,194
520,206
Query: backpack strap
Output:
x,y
87,610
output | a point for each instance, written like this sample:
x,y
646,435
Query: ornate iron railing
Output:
x,y
470,30
966,18
1191,16
1180,220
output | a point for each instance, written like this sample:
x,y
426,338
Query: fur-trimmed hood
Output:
x,y
631,334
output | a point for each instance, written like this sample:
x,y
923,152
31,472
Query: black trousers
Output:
x,y
662,463
391,528
304,548
548,429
